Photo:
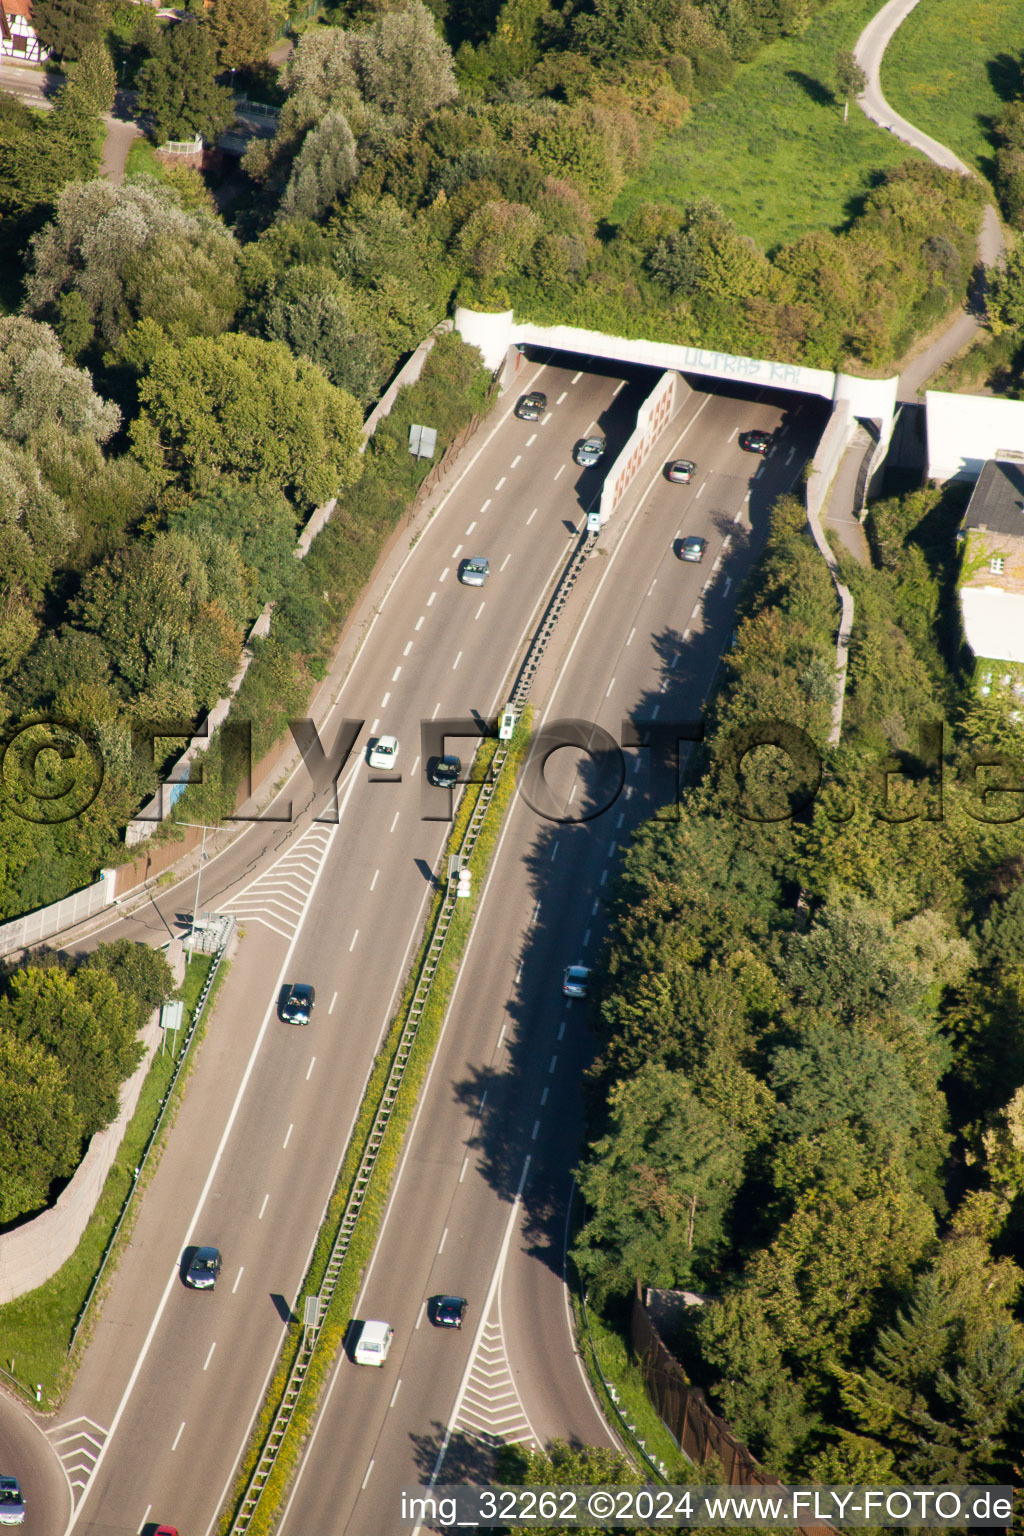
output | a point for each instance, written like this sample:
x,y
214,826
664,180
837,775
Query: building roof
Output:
x,y
997,502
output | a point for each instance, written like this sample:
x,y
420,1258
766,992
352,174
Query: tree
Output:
x,y
132,252
240,406
403,66
40,1127
242,31
1005,298
95,77
260,524
166,627
40,390
177,85
320,317
657,1186
67,27
850,78
139,971
84,1023
323,168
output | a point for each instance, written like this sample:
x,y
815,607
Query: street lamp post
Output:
x,y
199,876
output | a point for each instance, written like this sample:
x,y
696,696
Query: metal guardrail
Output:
x,y
428,970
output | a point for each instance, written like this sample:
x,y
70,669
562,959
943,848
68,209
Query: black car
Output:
x,y
756,441
448,1311
203,1270
532,406
298,1004
444,772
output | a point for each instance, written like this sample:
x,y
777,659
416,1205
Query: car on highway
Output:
x,y
474,572
681,471
590,451
12,1505
444,771
532,406
299,1004
692,549
166,1530
574,982
756,441
373,1343
448,1311
205,1266
383,752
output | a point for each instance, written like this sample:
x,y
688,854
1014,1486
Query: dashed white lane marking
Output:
x,y
505,562
209,1357
739,514
574,381
444,573
288,1137
373,882
531,439
394,1394
531,517
479,611
263,1207
560,472
353,944
444,1239
312,1064
563,395
518,456
501,482
608,690
553,852
384,700
469,530
408,647
396,674
484,507
369,1469
700,490
430,599
238,1277
631,633
456,661
394,822
457,551
181,1430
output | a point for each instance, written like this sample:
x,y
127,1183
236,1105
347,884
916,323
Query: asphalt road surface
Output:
x,y
160,1412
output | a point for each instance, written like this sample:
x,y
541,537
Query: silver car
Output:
x,y
575,980
473,573
12,1505
590,451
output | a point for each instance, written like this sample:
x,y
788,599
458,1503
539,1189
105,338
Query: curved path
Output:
x,y
868,51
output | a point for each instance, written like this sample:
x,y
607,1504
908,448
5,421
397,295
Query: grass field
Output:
x,y
952,67
772,151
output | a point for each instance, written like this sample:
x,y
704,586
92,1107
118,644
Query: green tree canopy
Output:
x,y
177,85
40,1126
241,406
67,27
242,31
85,1024
130,253
657,1187
39,389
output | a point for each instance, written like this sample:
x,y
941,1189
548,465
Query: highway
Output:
x,y
159,1414
505,1085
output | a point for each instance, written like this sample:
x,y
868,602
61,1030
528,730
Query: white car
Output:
x,y
384,752
374,1343
574,982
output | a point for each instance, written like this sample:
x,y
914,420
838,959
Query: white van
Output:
x,y
374,1343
